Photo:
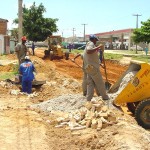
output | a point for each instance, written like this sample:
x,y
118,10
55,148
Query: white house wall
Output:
x,y
1,44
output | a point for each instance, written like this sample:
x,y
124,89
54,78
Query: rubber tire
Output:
x,y
138,114
66,55
51,55
132,107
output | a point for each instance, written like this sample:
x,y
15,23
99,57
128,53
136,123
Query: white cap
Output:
x,y
27,57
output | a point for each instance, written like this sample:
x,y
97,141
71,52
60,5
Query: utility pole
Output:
x,y
20,20
84,31
73,33
137,15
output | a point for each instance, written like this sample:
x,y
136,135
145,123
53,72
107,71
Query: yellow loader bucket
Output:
x,y
136,93
138,88
59,50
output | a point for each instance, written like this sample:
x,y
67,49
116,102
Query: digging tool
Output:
x,y
107,84
75,63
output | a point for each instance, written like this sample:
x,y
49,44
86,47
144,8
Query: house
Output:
x,y
4,38
3,26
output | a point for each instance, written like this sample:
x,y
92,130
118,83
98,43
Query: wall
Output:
x,y
3,27
1,44
12,46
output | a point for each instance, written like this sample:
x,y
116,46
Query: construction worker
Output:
x,y
84,79
26,70
91,66
33,47
21,50
49,40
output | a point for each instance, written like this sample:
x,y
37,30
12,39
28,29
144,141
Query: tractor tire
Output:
x,y
51,55
66,55
142,114
132,107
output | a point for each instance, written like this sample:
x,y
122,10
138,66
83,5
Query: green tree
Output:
x,y
142,34
14,33
35,26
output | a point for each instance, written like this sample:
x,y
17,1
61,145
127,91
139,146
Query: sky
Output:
x,y
97,15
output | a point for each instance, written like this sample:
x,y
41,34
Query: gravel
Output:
x,y
65,103
71,102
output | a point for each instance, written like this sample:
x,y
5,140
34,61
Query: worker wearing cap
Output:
x,y
84,78
26,70
91,65
21,50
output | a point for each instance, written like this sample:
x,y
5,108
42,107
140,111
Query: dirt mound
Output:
x,y
7,68
24,128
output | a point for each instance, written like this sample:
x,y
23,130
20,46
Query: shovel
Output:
x,y
107,84
75,63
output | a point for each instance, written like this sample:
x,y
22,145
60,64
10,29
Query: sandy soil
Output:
x,y
23,128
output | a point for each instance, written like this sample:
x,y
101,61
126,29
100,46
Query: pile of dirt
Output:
x,y
62,92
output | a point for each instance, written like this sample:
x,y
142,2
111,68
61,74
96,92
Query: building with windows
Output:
x,y
116,39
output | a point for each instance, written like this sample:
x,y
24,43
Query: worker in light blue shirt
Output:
x,y
26,70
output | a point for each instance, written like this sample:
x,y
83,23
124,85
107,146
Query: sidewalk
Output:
x,y
125,53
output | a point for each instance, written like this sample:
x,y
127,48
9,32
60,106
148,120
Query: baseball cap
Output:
x,y
27,57
24,38
93,36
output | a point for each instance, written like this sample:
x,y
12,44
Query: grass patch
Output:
x,y
113,56
3,57
9,74
6,75
128,52
141,58
75,51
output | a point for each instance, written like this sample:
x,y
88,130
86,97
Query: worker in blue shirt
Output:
x,y
26,70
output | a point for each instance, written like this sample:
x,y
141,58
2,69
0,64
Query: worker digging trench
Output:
x,y
52,115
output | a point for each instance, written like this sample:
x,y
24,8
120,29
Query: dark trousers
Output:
x,y
27,86
32,51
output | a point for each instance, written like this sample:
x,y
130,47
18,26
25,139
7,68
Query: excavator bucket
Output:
x,y
137,89
134,66
135,92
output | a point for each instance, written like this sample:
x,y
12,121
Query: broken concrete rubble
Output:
x,y
89,116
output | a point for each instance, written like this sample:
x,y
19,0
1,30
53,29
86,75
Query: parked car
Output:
x,y
78,44
82,47
138,48
28,44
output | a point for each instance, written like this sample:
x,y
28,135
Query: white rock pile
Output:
x,y
64,103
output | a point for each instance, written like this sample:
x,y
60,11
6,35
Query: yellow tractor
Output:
x,y
135,94
54,48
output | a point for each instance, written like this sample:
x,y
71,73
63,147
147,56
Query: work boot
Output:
x,y
106,98
84,93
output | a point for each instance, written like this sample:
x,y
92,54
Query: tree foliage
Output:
x,y
142,34
35,26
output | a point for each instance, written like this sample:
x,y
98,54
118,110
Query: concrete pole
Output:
x,y
73,33
129,45
137,15
20,20
84,32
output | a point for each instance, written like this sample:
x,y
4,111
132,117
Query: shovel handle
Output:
x,y
105,67
75,63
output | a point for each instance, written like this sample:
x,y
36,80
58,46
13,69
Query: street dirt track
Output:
x,y
23,128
